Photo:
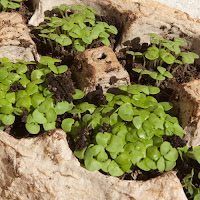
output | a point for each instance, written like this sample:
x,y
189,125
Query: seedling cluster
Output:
x,y
77,27
137,123
8,5
125,133
32,94
160,56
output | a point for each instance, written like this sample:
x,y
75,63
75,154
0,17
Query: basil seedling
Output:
x,y
77,28
126,132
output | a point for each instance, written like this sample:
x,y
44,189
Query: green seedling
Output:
x,y
159,75
8,5
137,123
77,29
33,95
161,56
191,189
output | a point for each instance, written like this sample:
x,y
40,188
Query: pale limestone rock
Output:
x,y
99,66
154,17
15,41
44,168
188,105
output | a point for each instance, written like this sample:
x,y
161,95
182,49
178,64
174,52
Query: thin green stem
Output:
x,y
62,14
144,63
133,60
51,45
140,76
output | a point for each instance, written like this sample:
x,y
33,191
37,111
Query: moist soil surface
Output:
x,y
64,87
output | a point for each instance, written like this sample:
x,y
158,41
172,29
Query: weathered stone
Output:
x,y
44,168
154,17
188,106
191,7
15,41
99,66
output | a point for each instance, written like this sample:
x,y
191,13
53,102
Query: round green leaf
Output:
x,y
67,124
169,165
167,57
168,75
24,102
105,165
53,36
126,112
150,163
33,128
172,155
162,70
102,156
136,156
114,169
8,119
79,45
161,164
49,126
123,158
189,57
78,94
137,122
22,69
103,138
10,97
115,145
7,109
137,70
165,147
160,78
62,68
196,151
51,115
179,41
37,99
142,165
45,105
39,117
3,75
153,153
105,41
166,105
197,197
152,53
63,40
36,74
80,154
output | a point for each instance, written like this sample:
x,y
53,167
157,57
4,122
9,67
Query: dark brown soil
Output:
x,y
62,86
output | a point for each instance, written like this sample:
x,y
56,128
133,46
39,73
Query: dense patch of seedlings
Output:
x,y
161,56
127,133
8,5
25,91
76,28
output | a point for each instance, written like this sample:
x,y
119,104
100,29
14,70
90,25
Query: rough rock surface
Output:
x,y
188,105
44,168
154,17
192,7
15,41
99,66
